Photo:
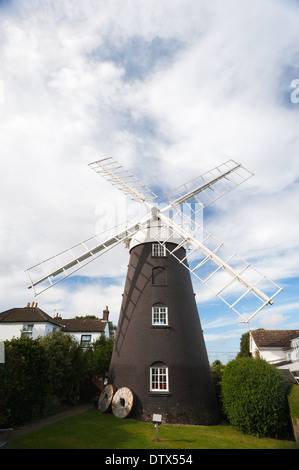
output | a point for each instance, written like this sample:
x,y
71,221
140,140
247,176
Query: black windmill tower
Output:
x,y
159,362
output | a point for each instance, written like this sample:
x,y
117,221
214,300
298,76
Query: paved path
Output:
x,y
20,431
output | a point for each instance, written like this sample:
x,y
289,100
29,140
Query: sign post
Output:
x,y
157,420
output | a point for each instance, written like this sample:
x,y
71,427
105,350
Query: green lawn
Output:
x,y
93,430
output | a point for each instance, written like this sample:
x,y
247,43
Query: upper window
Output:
x,y
158,250
27,330
85,341
159,315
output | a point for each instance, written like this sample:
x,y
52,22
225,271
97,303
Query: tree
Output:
x,y
244,346
87,317
217,369
100,355
254,395
23,381
67,365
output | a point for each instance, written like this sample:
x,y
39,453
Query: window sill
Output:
x,y
159,393
158,327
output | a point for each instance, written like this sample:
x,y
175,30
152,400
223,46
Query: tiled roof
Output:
x,y
26,314
289,377
31,313
274,338
79,324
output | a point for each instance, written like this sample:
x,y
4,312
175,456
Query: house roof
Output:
x,y
274,338
31,313
80,324
26,314
289,377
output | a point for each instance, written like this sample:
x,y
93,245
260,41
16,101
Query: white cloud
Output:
x,y
220,322
214,84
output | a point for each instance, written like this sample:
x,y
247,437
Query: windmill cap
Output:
x,y
153,233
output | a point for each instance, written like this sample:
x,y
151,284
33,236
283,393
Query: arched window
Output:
x,y
159,276
159,377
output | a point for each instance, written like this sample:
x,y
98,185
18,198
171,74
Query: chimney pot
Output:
x,y
106,314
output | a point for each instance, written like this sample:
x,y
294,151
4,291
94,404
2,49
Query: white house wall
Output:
x,y
273,355
276,356
295,351
270,355
77,335
14,330
9,331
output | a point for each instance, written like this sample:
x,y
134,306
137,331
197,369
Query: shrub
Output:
x,y
66,365
254,395
100,355
40,376
23,381
217,369
293,400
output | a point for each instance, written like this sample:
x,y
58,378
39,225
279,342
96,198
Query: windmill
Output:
x,y
159,362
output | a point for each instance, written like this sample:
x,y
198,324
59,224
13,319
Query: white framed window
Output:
x,y
159,378
159,315
27,330
158,250
85,341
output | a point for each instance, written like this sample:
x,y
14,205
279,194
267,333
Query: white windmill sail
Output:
x,y
230,277
49,272
235,281
210,186
117,175
188,200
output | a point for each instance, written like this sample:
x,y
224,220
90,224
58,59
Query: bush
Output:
x,y
254,395
67,365
40,376
293,400
99,355
23,381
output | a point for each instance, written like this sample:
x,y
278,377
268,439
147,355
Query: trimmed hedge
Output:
x,y
293,399
255,398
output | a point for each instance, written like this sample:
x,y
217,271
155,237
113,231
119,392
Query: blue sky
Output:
x,y
169,88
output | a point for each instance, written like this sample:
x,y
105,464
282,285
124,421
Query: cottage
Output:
x,y
28,321
278,347
85,330
33,322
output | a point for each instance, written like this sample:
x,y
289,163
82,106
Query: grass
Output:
x,y
93,430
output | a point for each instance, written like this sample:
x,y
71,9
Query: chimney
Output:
x,y
106,314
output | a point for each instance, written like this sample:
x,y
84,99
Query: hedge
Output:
x,y
41,376
255,397
23,381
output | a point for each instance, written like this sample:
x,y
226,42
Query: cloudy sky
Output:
x,y
170,89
